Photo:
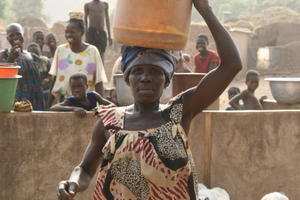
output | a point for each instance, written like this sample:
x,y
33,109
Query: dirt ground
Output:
x,y
263,90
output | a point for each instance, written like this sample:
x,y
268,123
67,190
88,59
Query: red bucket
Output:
x,y
9,70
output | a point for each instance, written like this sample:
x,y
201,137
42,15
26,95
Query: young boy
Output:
x,y
250,102
232,92
52,45
43,64
81,101
206,59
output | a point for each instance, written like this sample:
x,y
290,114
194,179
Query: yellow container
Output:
x,y
162,24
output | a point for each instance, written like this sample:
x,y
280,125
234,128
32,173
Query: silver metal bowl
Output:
x,y
285,90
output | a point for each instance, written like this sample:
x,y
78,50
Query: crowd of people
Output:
x,y
46,69
46,73
145,143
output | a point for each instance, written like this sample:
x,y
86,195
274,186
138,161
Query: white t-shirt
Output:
x,y
66,63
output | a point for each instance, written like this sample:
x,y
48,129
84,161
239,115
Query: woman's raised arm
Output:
x,y
216,81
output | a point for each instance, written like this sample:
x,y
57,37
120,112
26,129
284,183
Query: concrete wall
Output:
x,y
37,151
241,39
255,153
270,104
247,153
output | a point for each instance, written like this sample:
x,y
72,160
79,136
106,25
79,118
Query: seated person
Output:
x,y
250,102
232,92
81,101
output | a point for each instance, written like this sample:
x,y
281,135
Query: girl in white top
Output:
x,y
76,56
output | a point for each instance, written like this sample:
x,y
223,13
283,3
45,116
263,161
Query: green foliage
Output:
x,y
27,7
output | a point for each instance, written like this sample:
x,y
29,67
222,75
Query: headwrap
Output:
x,y
133,56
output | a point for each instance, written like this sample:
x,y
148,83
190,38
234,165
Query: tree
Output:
x,y
27,7
3,5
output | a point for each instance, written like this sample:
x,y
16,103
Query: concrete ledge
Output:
x,y
270,104
37,150
247,153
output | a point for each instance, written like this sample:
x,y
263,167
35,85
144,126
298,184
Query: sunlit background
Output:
x,y
57,10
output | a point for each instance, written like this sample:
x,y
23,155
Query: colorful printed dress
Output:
x,y
66,63
152,164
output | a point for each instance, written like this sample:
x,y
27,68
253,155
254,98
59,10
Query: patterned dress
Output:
x,y
152,164
66,63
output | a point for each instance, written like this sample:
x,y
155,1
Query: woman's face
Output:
x,y
73,34
15,37
147,83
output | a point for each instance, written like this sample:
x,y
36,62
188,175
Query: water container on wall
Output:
x,y
162,24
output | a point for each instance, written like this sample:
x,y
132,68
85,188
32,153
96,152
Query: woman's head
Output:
x,y
133,56
147,72
75,29
14,34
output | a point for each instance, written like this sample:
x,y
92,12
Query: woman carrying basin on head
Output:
x,y
145,148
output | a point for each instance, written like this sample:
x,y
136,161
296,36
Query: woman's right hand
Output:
x,y
67,190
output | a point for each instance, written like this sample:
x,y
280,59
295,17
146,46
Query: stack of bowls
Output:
x,y
8,85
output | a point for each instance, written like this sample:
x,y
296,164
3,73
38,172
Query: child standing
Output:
x,y
43,64
81,101
250,102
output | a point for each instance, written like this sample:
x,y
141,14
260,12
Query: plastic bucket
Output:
x,y
8,88
161,24
8,70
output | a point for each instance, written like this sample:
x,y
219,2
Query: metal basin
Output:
x,y
285,90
